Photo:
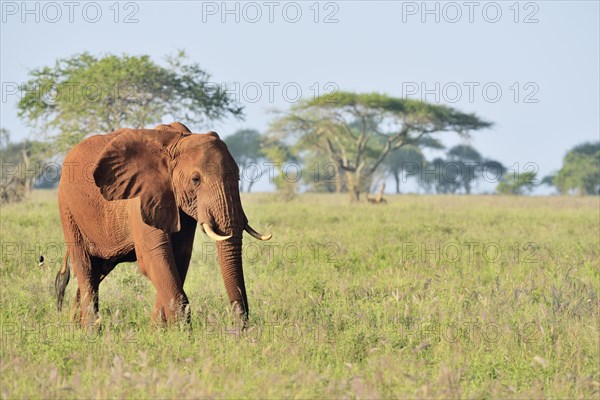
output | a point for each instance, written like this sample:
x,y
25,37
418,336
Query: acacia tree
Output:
x,y
21,166
471,166
245,147
409,159
279,155
517,184
358,131
86,94
580,172
467,161
463,166
320,174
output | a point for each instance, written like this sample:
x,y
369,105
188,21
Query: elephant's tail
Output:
x,y
62,280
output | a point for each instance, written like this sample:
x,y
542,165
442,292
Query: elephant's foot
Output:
x,y
177,310
92,323
88,316
74,314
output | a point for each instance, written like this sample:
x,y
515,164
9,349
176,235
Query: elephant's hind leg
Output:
x,y
88,273
83,267
77,300
75,306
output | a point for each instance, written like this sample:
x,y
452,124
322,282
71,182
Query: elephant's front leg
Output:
x,y
183,242
155,258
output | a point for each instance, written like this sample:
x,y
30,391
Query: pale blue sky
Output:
x,y
373,46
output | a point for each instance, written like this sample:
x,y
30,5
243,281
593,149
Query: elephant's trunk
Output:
x,y
230,258
229,219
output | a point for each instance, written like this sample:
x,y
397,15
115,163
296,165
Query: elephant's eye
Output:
x,y
195,179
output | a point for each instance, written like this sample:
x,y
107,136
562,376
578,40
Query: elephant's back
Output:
x,y
88,150
81,159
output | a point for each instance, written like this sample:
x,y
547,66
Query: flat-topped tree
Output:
x,y
409,159
359,130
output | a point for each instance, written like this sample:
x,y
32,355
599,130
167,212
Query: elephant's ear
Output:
x,y
132,165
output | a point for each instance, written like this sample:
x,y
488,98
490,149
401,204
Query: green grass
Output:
x,y
427,296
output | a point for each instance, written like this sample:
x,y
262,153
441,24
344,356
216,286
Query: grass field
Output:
x,y
425,297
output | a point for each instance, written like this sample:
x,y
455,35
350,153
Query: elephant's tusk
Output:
x,y
211,234
256,234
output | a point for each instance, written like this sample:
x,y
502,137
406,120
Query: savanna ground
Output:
x,y
427,296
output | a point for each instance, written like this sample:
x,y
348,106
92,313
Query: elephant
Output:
x,y
138,195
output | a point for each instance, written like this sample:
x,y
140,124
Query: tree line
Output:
x,y
462,168
353,141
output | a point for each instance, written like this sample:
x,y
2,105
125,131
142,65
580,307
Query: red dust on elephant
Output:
x,y
138,195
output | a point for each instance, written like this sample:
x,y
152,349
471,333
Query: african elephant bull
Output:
x,y
138,194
